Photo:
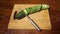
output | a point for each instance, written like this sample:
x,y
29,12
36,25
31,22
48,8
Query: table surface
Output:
x,y
6,8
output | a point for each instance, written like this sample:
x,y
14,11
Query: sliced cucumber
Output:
x,y
31,10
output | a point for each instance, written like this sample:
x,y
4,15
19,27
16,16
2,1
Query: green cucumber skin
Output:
x,y
20,15
31,10
34,9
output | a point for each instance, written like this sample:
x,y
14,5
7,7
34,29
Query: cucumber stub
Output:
x,y
20,15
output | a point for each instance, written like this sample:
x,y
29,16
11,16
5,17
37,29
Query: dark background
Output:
x,y
6,7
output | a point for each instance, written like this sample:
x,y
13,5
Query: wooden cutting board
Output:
x,y
41,18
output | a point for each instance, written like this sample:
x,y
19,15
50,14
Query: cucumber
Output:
x,y
20,15
31,10
34,9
